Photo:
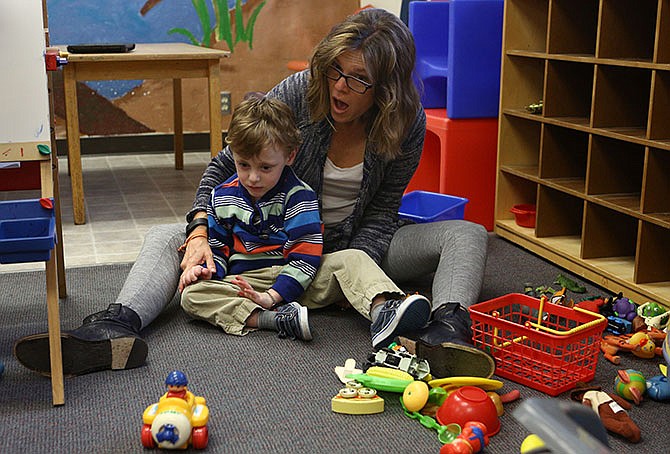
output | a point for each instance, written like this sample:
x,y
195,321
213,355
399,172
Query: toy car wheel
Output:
x,y
199,437
147,438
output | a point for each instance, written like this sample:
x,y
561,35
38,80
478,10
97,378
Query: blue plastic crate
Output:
x,y
425,206
27,231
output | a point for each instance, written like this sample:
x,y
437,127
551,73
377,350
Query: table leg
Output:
x,y
178,125
73,145
214,87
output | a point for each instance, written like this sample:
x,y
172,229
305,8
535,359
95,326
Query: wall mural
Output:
x,y
262,35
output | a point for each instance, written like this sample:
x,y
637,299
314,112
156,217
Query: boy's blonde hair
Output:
x,y
259,122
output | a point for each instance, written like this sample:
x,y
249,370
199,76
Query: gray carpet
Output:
x,y
265,394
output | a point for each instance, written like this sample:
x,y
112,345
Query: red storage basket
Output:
x,y
538,344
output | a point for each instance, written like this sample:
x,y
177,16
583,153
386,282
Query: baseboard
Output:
x,y
137,143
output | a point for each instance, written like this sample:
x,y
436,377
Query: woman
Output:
x,y
362,127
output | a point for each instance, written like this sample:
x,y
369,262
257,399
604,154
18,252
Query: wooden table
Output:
x,y
174,61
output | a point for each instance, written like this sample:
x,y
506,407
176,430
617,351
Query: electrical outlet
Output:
x,y
225,103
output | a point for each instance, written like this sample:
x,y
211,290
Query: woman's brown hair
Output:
x,y
389,54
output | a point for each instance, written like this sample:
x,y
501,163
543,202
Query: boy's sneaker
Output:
x,y
292,322
398,317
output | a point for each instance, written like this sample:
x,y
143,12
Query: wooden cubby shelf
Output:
x,y
595,161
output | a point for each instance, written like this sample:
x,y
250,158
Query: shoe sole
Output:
x,y
452,360
304,322
415,319
81,356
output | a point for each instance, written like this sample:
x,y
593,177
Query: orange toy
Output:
x,y
642,344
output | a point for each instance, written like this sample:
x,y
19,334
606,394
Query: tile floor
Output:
x,y
125,195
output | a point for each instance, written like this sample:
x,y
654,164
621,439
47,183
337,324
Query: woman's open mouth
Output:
x,y
339,106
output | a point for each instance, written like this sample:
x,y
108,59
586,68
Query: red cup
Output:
x,y
469,403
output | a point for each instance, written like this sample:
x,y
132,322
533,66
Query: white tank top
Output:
x,y
340,191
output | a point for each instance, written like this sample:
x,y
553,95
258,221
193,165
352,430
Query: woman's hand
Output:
x,y
263,299
198,252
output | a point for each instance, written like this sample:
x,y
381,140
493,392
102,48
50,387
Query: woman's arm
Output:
x,y
197,251
219,169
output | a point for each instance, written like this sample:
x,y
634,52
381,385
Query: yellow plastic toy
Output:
x,y
178,419
356,399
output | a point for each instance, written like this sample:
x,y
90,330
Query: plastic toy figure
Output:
x,y
658,387
176,382
641,344
178,419
472,440
625,308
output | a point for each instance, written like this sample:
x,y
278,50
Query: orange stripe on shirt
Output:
x,y
239,247
305,248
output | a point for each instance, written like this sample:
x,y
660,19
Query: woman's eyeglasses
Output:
x,y
355,84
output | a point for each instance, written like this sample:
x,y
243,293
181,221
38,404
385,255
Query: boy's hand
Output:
x,y
193,274
263,299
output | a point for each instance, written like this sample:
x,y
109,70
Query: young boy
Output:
x,y
264,229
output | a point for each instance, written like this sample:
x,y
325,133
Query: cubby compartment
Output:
x,y
568,91
656,191
526,28
573,30
621,100
519,150
662,52
558,214
627,29
659,123
609,234
517,190
564,157
595,160
524,82
615,172
653,264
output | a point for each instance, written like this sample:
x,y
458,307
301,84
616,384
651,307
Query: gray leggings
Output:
x,y
454,250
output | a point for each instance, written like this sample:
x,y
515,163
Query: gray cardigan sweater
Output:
x,y
375,217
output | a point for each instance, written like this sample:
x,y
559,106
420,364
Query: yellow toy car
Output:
x,y
176,422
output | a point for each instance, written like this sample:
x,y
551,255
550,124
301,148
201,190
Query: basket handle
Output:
x,y
598,319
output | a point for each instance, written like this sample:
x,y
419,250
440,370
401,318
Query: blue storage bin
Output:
x,y
425,206
428,24
27,231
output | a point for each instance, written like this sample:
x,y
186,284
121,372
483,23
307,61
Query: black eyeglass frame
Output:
x,y
365,84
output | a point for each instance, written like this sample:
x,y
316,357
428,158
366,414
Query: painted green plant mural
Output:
x,y
221,28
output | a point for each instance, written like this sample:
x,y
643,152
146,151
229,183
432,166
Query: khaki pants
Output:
x,y
349,275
